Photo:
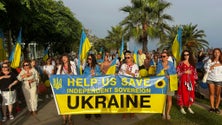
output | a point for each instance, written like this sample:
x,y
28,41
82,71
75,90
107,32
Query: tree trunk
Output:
x,y
144,38
145,43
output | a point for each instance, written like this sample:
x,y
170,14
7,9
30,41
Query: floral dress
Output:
x,y
186,89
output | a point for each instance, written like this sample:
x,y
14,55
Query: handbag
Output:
x,y
204,80
41,88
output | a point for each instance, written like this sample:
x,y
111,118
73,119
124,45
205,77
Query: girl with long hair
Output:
x,y
214,68
187,79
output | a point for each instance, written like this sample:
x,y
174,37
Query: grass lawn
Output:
x,y
201,117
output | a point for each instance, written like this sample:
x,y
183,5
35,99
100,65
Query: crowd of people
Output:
x,y
26,79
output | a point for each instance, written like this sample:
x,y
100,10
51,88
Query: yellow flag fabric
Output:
x,y
152,70
135,56
177,45
162,73
112,68
46,55
17,56
173,82
84,48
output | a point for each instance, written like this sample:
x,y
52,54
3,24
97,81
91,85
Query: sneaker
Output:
x,y
40,100
182,111
217,111
190,110
11,117
211,110
4,119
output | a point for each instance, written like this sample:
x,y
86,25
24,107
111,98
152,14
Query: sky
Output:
x,y
99,15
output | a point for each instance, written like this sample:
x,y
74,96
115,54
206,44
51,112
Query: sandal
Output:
x,y
168,117
163,116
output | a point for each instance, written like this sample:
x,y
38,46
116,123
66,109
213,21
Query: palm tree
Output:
x,y
115,36
162,18
192,38
145,19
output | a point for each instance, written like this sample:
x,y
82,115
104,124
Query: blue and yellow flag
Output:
x,y
112,67
2,48
121,54
135,56
15,56
84,48
177,45
46,54
173,80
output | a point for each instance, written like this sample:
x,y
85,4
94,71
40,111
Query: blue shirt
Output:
x,y
171,70
87,70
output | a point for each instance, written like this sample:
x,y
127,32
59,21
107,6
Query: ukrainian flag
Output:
x,y
84,48
112,68
46,54
177,45
121,54
15,56
2,49
135,56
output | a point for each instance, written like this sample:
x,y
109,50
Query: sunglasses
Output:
x,y
163,56
127,57
89,59
186,54
4,66
26,65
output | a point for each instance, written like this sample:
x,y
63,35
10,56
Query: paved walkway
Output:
x,y
47,115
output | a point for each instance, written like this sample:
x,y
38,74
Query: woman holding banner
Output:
x,y
187,76
129,68
69,68
214,68
165,67
92,69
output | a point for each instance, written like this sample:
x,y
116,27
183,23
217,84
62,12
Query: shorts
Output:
x,y
213,82
8,97
170,93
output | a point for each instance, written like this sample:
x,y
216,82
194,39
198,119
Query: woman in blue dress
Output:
x,y
165,67
92,69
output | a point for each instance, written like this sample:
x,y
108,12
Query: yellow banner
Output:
x,y
108,94
110,103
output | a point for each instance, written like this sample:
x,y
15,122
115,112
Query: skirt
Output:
x,y
8,97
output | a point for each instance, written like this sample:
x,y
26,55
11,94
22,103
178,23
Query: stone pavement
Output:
x,y
47,115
